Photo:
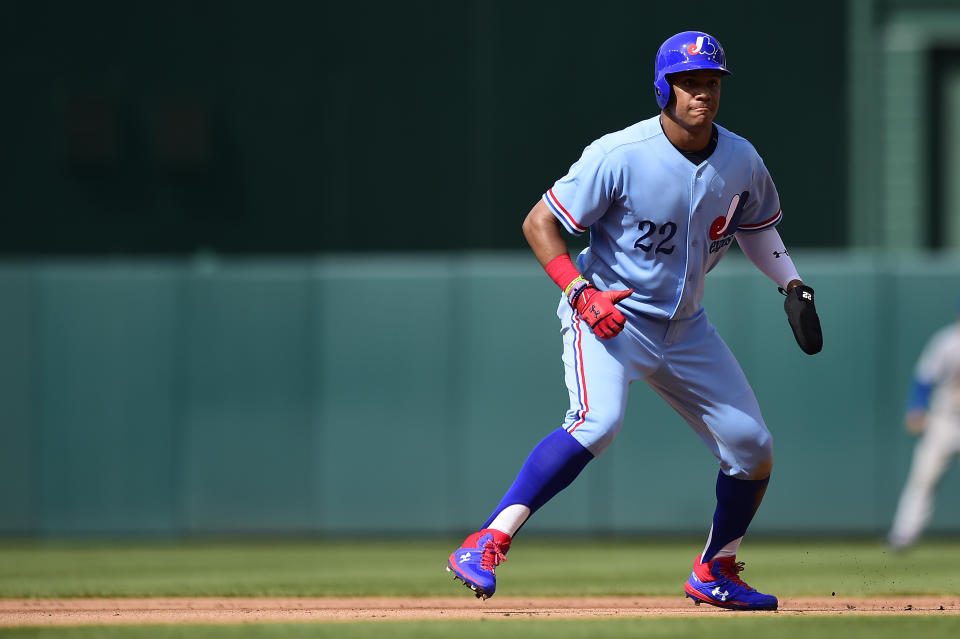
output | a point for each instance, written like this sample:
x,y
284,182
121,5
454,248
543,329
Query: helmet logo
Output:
x,y
698,47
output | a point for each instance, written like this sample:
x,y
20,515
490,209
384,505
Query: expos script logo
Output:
x,y
703,46
723,228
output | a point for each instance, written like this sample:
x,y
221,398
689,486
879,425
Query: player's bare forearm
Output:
x,y
916,421
596,308
543,234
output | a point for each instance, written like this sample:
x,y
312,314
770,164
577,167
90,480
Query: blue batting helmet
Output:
x,y
685,52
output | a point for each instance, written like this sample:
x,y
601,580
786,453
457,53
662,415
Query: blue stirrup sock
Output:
x,y
737,503
552,466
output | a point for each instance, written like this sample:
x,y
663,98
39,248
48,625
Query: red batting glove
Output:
x,y
598,311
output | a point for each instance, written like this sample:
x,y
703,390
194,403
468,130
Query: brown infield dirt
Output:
x,y
229,610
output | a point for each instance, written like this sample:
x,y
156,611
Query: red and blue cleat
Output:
x,y
475,561
717,583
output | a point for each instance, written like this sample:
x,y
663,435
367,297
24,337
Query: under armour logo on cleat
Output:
x,y
807,296
722,596
464,557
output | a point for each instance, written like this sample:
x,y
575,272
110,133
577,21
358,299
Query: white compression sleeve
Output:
x,y
767,252
510,519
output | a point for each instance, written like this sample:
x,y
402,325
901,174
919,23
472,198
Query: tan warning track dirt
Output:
x,y
230,610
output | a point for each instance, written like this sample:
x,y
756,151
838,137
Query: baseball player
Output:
x,y
663,199
933,413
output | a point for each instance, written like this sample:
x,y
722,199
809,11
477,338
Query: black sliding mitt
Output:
x,y
803,318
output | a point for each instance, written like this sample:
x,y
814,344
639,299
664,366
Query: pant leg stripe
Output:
x,y
578,369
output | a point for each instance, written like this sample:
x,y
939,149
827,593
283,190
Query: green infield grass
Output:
x,y
416,568
732,625
816,567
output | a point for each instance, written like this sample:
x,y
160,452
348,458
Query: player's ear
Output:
x,y
671,99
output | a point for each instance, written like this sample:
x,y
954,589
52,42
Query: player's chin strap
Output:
x,y
802,315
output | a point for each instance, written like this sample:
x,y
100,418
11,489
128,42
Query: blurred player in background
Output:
x,y
933,413
663,200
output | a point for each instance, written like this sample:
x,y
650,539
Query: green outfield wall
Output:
x,y
344,394
248,127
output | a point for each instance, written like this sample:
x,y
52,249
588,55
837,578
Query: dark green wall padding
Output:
x,y
248,127
400,395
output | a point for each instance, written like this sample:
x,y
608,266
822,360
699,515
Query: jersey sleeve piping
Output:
x,y
773,221
563,214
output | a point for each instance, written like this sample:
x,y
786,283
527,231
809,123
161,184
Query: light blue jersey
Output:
x,y
658,223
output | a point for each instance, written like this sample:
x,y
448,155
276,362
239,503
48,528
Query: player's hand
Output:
x,y
916,422
803,318
598,311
